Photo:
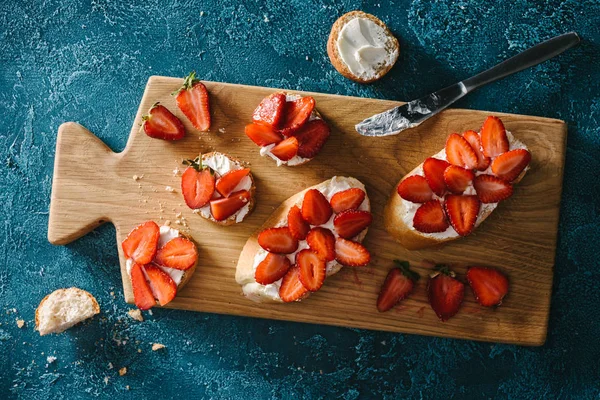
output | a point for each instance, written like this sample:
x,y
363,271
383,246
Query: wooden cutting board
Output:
x,y
93,185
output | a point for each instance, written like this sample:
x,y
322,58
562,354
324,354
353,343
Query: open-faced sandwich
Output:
x,y
455,190
309,237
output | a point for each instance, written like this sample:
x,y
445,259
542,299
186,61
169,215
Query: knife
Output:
x,y
397,119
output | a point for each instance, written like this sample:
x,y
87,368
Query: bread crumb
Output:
x,y
175,171
122,371
221,130
106,380
139,350
127,387
169,189
157,346
150,312
20,323
137,178
110,365
178,222
50,359
136,314
178,215
167,222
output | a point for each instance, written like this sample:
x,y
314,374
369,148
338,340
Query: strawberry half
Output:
x,y
312,269
316,210
398,284
227,183
286,149
225,207
262,135
430,218
270,110
475,141
457,178
415,189
509,165
351,254
142,242
350,223
312,136
197,183
297,113
433,169
459,152
192,100
163,287
445,292
493,137
348,199
272,268
322,242
278,240
291,288
178,253
142,293
491,189
298,226
160,123
462,212
489,285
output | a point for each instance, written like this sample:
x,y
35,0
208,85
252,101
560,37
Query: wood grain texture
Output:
x,y
519,238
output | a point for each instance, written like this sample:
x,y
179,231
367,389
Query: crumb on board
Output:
x,y
169,189
157,346
175,171
20,323
167,222
122,371
137,177
221,130
136,314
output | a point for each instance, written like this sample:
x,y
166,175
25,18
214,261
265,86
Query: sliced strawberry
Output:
x,y
350,223
316,210
493,137
462,212
430,218
197,183
491,189
298,226
459,152
278,240
272,268
178,253
163,286
433,169
227,183
161,123
262,135
225,207
489,285
509,165
270,110
322,242
312,136
475,141
297,113
291,288
142,293
457,178
351,254
347,199
398,284
312,269
445,292
286,149
415,189
142,242
192,100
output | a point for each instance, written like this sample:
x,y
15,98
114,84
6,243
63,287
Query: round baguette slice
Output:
x,y
63,309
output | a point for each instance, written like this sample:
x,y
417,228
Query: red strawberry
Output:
x,y
178,253
163,287
491,189
291,288
475,141
347,199
350,223
197,183
430,218
445,293
312,136
142,293
142,242
459,152
415,189
316,210
161,123
489,285
225,207
322,242
262,135
457,178
462,212
270,110
192,100
509,165
493,137
278,240
351,254
298,226
286,149
297,113
398,284
433,169
272,268
227,183
312,269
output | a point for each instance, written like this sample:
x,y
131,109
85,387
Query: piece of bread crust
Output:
x,y
335,57
71,292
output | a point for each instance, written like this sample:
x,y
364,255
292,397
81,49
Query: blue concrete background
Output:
x,y
88,62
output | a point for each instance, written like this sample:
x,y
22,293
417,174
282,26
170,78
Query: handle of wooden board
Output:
x,y
81,191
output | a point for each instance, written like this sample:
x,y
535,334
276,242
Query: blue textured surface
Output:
x,y
63,61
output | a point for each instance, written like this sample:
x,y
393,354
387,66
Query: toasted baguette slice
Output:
x,y
371,71
64,308
244,273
